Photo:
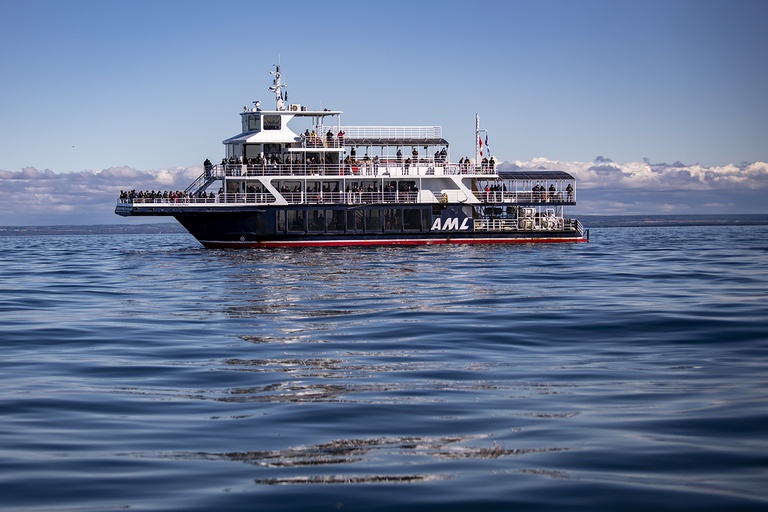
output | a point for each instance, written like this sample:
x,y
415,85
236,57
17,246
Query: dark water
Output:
x,y
146,373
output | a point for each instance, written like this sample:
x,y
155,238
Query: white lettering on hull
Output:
x,y
451,224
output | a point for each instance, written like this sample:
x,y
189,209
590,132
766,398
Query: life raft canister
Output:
x,y
444,198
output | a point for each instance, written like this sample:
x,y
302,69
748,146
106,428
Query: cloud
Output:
x,y
642,175
31,197
27,173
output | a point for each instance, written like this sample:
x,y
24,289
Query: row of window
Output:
x,y
358,220
271,122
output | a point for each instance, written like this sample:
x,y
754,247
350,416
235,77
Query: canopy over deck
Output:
x,y
534,175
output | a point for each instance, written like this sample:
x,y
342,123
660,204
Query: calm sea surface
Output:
x,y
147,373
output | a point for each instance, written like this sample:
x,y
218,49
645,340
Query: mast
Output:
x,y
277,87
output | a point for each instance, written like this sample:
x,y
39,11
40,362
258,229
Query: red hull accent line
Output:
x,y
333,185
254,245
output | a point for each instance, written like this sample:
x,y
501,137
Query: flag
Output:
x,y
481,145
486,145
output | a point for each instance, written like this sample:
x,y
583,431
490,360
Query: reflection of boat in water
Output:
x,y
279,188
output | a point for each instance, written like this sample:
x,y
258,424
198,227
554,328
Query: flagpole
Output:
x,y
477,139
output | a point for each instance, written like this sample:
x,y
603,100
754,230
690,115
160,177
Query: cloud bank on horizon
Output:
x,y
43,197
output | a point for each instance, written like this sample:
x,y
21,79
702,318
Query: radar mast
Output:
x,y
278,88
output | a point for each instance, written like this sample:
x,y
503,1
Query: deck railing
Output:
x,y
290,197
390,132
224,198
495,196
384,167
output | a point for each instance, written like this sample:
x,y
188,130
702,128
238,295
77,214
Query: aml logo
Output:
x,y
451,224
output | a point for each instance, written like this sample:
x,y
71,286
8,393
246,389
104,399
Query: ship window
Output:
x,y
330,186
411,218
251,151
316,220
290,186
426,218
373,220
354,220
281,221
271,122
254,123
295,220
393,219
335,220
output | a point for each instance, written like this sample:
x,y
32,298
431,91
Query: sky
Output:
x,y
654,106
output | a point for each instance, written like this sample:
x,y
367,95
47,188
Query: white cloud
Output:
x,y
642,175
33,197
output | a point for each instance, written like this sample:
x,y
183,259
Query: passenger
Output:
x,y
552,191
569,191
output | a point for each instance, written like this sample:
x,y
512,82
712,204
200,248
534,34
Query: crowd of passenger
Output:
x,y
542,195
165,196
351,164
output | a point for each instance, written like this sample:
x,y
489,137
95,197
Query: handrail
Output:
x,y
209,174
223,198
389,132
496,196
384,167
290,197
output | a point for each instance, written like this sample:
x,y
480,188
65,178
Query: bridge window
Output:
x,y
271,122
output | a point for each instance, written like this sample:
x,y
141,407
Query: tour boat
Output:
x,y
358,185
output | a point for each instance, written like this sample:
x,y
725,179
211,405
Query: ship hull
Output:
x,y
454,223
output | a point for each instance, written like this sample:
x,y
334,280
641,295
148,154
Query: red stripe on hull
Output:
x,y
340,243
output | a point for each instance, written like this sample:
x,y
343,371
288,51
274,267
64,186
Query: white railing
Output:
x,y
495,196
426,166
224,198
495,225
390,132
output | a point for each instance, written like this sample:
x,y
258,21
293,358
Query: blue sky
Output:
x,y
151,88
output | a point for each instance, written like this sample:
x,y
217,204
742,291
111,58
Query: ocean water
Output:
x,y
147,373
